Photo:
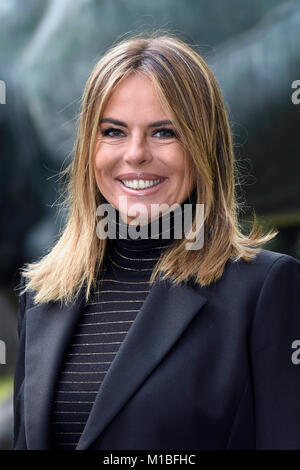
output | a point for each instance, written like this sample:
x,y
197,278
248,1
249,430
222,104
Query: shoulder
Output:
x,y
26,295
277,314
265,258
246,280
265,263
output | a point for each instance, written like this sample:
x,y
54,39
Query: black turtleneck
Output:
x,y
104,322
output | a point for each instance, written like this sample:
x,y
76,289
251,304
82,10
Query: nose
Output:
x,y
137,152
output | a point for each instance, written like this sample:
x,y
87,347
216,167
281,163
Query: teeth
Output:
x,y
140,184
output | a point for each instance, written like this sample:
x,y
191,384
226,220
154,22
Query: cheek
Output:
x,y
103,162
185,172
179,164
99,159
172,157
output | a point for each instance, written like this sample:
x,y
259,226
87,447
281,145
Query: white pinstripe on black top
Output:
x,y
103,325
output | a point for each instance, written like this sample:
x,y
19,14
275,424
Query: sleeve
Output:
x,y
19,441
275,357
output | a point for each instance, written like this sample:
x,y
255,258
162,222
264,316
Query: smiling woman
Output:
x,y
144,140
134,86
132,343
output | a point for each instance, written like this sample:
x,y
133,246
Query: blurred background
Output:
x,y
47,51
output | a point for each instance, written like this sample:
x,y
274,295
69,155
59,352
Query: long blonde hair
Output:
x,y
189,92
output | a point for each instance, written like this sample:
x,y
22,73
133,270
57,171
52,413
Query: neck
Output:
x,y
159,233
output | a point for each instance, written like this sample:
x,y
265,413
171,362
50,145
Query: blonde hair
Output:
x,y
189,92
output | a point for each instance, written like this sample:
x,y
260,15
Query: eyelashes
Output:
x,y
116,133
106,132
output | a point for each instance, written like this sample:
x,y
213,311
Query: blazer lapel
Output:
x,y
48,331
164,316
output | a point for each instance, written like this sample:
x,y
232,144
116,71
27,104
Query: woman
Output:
x,y
143,343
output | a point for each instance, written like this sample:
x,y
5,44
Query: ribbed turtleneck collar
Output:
x,y
134,259
159,233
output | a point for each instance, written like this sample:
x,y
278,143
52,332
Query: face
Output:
x,y
138,154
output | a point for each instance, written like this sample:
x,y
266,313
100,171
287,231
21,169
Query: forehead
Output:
x,y
135,96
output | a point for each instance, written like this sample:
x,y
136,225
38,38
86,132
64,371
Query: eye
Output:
x,y
111,132
166,133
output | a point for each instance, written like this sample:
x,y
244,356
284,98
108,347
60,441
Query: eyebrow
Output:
x,y
123,124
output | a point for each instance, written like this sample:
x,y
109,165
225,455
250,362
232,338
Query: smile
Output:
x,y
141,184
141,187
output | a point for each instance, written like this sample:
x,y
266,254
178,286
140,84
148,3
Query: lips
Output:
x,y
141,192
139,176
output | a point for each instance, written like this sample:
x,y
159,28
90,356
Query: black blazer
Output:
x,y
200,368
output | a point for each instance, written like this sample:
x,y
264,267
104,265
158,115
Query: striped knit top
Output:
x,y
104,322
